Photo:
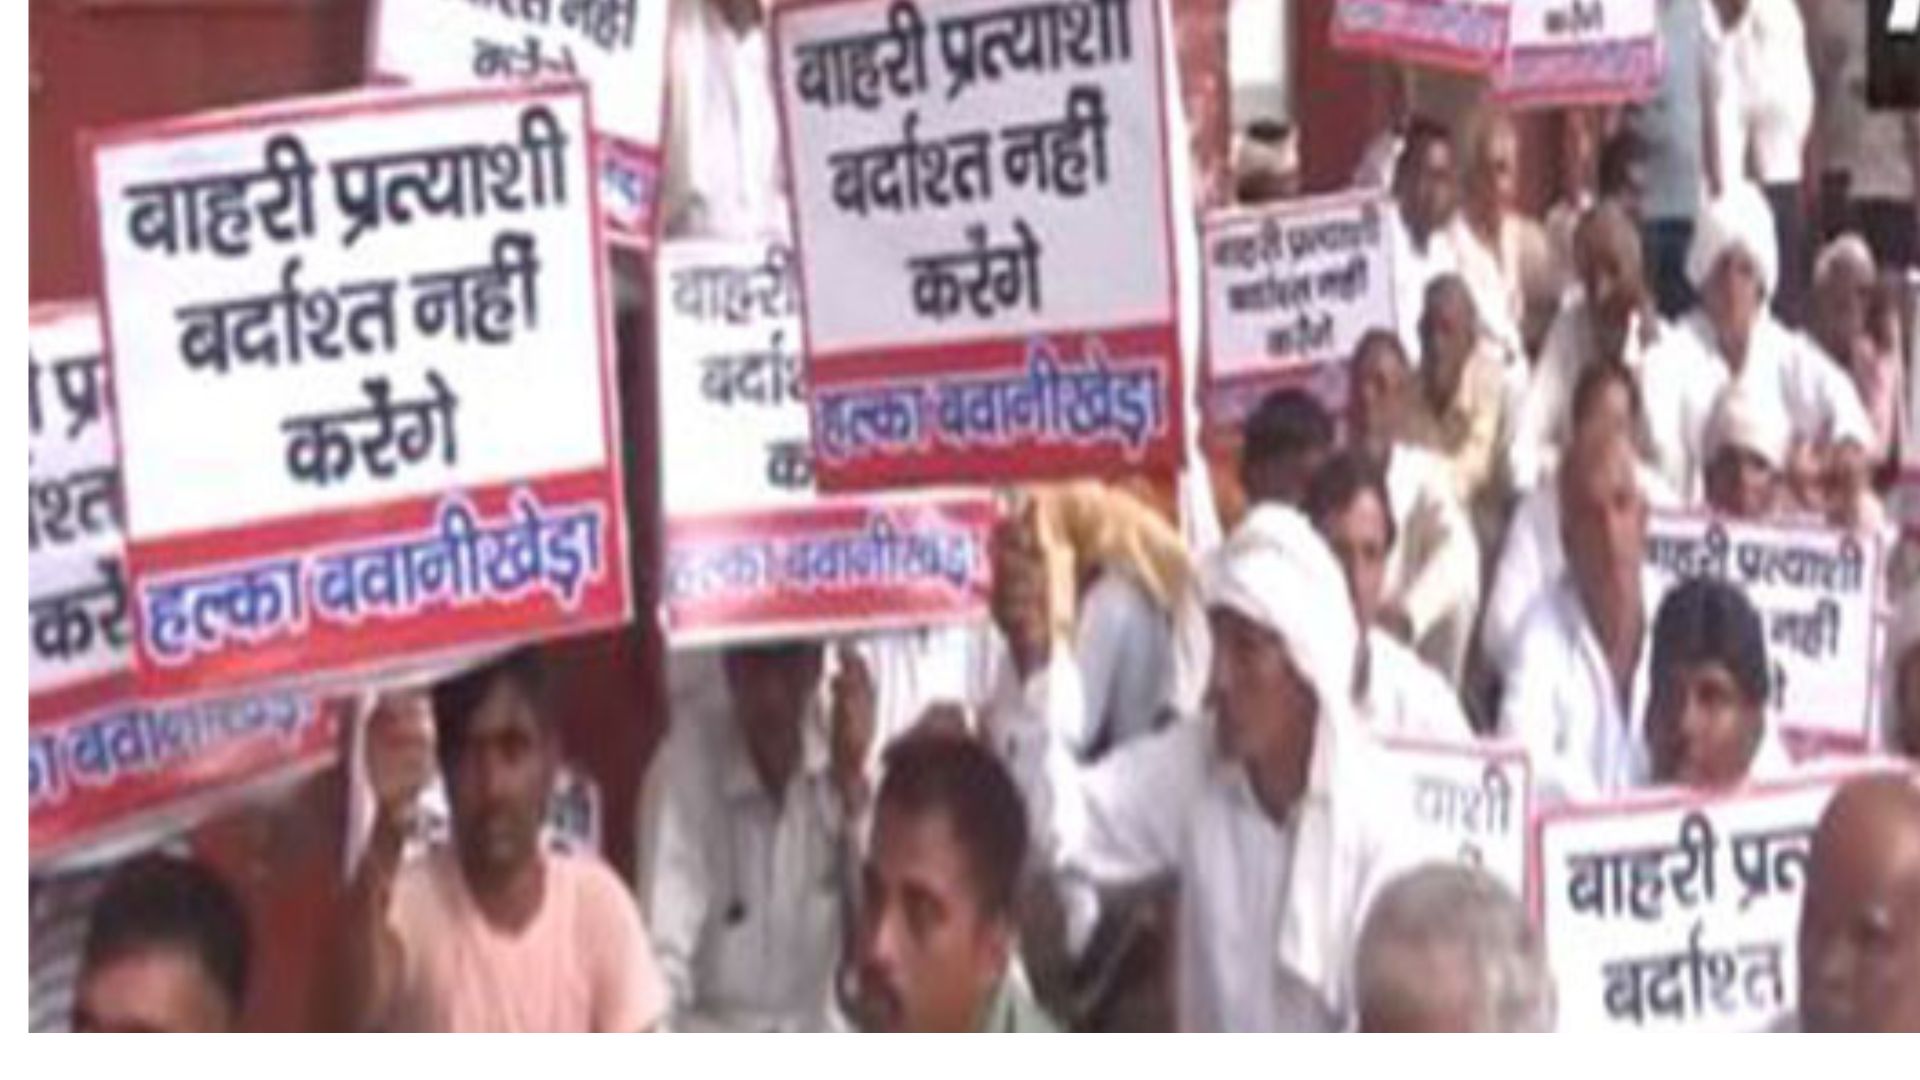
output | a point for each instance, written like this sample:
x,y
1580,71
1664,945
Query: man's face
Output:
x,y
1860,929
1839,312
1446,342
1496,182
1615,284
928,958
1427,194
151,989
1282,480
1733,299
1357,533
1604,521
1377,383
498,784
771,686
1741,484
1701,728
1263,707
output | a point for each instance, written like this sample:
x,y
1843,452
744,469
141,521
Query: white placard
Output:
x,y
1817,591
1471,802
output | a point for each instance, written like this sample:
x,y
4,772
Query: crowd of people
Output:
x,y
961,828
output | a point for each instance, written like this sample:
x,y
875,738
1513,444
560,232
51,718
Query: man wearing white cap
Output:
x,y
1267,810
1734,265
1746,451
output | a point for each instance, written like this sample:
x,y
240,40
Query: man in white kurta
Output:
x,y
1265,889
1578,686
1425,193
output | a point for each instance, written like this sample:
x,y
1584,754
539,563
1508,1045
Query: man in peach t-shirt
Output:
x,y
492,932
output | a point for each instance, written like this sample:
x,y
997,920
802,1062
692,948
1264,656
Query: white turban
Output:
x,y
1902,634
1750,422
1277,571
1738,220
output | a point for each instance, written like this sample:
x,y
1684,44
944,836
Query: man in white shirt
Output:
x,y
1397,693
1762,86
1433,571
1269,811
1504,255
1611,319
723,174
1734,265
1707,712
1578,681
1746,452
1424,192
744,831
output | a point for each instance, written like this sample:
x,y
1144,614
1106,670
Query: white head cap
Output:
x,y
1739,220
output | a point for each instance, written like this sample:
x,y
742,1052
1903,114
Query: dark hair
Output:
x,y
1594,380
166,902
455,700
1618,155
955,775
1422,132
1287,423
1343,478
1706,620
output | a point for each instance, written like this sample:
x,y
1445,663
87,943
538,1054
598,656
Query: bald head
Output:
x,y
1860,918
1603,516
1607,255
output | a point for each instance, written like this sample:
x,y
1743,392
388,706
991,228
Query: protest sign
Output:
x,y
618,48
985,237
1678,911
365,364
129,766
1817,591
98,762
1580,52
1290,290
1471,802
1461,35
78,626
752,550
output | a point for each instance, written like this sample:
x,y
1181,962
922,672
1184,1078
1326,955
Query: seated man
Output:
x,y
1576,691
1448,948
1707,710
1425,192
1458,410
167,949
1746,451
1285,440
1270,812
937,922
744,829
1860,915
490,932
1397,693
1433,571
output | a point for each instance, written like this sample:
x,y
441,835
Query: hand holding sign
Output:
x,y
400,761
851,724
1020,595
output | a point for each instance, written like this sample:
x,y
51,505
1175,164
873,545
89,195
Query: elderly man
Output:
x,y
1707,714
1433,571
1397,693
1746,454
1860,916
1733,263
1504,255
937,923
1610,319
1578,684
1267,811
1458,410
1424,192
1845,287
745,825
167,949
1448,948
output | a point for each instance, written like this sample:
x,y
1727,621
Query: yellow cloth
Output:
x,y
1086,524
1467,432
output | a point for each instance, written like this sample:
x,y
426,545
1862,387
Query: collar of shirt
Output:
x,y
1623,765
739,782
